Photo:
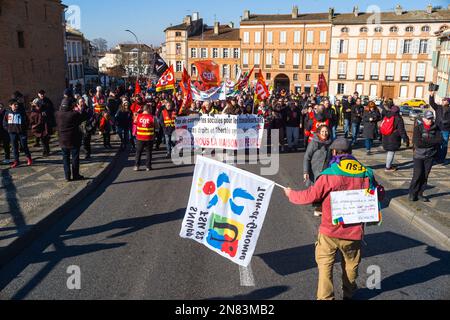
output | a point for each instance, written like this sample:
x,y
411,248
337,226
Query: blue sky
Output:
x,y
148,18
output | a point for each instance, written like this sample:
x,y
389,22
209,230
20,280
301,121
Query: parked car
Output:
x,y
415,103
405,110
415,114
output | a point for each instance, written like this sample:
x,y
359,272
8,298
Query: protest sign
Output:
x,y
226,210
221,131
354,206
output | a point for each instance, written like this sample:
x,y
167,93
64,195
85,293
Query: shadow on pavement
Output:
x,y
260,294
11,198
37,252
412,276
294,260
131,225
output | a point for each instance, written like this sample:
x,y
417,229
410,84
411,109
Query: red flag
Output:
x,y
261,90
167,81
137,88
208,72
185,85
243,82
322,86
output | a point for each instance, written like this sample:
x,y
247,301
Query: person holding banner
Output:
x,y
344,173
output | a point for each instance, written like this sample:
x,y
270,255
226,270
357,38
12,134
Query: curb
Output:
x,y
47,220
426,225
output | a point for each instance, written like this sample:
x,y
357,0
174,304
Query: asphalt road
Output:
x,y
125,239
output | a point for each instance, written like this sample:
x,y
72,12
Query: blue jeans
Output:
x,y
355,132
15,139
75,153
444,146
169,143
333,132
346,127
124,135
292,136
369,144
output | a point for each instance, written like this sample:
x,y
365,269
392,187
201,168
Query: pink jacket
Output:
x,y
321,192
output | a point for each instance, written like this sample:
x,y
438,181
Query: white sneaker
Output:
x,y
136,168
317,213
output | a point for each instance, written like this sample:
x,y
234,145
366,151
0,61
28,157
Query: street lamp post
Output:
x,y
139,53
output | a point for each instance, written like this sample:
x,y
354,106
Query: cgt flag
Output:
x,y
226,209
160,65
322,86
167,81
185,85
261,90
208,72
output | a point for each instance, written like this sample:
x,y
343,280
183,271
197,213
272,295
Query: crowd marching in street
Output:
x,y
145,119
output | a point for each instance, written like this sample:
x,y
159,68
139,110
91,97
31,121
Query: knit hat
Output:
x,y
428,115
341,144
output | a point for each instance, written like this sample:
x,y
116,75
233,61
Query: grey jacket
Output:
x,y
316,158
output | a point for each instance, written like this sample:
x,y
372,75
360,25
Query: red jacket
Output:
x,y
321,192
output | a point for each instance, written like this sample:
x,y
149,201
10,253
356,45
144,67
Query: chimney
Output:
x,y
330,14
398,10
216,28
231,24
356,11
188,20
429,9
294,12
246,14
195,16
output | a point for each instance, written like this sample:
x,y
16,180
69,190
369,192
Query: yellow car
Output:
x,y
415,103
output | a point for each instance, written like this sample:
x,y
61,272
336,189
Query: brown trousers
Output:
x,y
326,249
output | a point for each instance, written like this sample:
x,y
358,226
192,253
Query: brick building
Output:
x,y
32,48
292,50
220,43
442,63
388,54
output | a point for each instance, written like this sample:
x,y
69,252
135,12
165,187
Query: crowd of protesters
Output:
x,y
305,122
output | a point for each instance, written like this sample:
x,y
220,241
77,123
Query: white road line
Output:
x,y
246,275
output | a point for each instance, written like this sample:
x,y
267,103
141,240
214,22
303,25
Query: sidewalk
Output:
x,y
33,197
433,217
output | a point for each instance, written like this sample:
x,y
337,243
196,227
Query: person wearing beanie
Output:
x,y
70,137
345,173
427,139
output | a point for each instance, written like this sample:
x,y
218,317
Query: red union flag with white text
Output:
x,y
261,90
208,72
167,81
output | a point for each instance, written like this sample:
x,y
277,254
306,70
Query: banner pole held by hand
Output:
x,y
279,185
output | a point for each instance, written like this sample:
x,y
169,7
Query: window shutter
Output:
x,y
415,46
400,47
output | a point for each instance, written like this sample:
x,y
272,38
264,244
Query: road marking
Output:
x,y
246,275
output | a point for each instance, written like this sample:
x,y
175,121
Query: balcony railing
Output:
x,y
389,78
342,76
404,78
420,79
373,77
359,77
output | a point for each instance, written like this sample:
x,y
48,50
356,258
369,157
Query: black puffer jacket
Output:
x,y
393,141
426,142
